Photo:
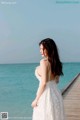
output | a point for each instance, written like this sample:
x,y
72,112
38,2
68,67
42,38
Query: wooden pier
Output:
x,y
71,97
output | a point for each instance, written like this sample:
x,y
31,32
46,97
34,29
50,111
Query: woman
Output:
x,y
48,104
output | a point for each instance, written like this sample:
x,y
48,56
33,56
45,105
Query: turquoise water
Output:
x,y
18,86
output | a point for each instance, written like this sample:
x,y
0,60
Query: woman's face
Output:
x,y
43,51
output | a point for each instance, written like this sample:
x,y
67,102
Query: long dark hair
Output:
x,y
53,56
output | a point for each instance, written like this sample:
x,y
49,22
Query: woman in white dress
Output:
x,y
48,103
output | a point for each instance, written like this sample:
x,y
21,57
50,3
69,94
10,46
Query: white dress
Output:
x,y
50,104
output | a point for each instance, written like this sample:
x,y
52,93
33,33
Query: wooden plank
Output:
x,y
71,98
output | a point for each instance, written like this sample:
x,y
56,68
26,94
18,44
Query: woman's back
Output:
x,y
50,75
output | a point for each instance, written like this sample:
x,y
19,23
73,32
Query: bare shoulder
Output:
x,y
44,62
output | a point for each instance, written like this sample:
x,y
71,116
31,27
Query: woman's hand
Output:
x,y
34,103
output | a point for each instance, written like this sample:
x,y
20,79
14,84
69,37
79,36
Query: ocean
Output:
x,y
18,86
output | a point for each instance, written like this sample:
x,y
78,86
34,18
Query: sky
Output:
x,y
24,23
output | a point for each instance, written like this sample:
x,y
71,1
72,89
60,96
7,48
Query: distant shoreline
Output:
x,y
35,63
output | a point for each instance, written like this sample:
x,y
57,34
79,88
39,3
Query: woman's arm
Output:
x,y
44,73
